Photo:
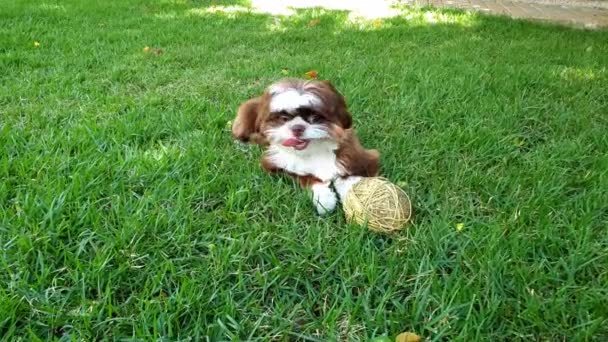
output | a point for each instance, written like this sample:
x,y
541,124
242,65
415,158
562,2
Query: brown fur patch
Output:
x,y
356,160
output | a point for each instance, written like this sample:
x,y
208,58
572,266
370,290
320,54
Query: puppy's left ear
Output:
x,y
346,118
342,112
340,107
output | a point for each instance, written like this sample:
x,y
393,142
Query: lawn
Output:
x,y
128,212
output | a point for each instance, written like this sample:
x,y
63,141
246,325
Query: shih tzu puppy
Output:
x,y
307,130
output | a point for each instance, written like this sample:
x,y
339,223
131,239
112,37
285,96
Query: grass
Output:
x,y
126,211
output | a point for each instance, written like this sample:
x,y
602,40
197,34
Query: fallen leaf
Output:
x,y
313,74
148,49
285,72
460,226
407,337
589,49
36,44
314,22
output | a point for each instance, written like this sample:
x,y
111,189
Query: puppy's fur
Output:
x,y
307,130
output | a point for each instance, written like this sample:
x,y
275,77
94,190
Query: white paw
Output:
x,y
324,198
343,185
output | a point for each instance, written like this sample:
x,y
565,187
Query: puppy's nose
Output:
x,y
298,130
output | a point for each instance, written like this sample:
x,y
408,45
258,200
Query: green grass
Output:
x,y
126,211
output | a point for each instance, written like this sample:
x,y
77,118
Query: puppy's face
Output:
x,y
297,112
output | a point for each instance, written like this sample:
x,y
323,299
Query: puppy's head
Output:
x,y
296,112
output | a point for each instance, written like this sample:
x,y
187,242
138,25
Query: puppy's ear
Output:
x,y
341,109
346,118
246,124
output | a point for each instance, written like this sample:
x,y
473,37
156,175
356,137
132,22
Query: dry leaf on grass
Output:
x,y
147,49
314,22
313,74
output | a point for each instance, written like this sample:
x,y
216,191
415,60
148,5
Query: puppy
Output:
x,y
306,128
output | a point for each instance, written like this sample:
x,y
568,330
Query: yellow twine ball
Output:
x,y
384,206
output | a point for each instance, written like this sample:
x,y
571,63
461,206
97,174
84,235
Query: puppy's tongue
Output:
x,y
296,143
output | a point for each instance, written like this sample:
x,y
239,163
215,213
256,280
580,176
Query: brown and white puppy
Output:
x,y
306,127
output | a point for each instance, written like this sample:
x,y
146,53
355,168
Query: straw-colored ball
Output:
x,y
384,206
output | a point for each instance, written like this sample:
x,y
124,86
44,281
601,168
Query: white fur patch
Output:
x,y
318,159
324,198
291,99
343,186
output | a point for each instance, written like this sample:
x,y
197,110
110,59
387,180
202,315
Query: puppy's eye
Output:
x,y
283,116
314,118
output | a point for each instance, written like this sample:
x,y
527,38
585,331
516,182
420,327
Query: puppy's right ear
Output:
x,y
246,124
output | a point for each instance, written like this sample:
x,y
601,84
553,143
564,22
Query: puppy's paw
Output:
x,y
344,184
324,198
